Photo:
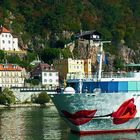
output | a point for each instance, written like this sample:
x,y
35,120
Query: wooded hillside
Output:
x,y
45,24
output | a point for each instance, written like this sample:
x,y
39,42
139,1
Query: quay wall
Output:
x,y
24,94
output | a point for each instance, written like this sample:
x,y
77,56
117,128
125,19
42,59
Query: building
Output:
x,y
8,43
46,74
72,66
12,75
90,38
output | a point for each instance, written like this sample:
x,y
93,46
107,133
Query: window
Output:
x,y
6,35
56,80
3,41
56,74
9,42
9,35
50,74
45,80
2,35
50,80
45,74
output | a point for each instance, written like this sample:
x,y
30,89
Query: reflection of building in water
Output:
x,y
32,124
12,124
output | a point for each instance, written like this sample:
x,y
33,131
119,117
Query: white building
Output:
x,y
7,41
46,74
12,75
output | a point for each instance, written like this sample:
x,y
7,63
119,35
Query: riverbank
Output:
x,y
26,105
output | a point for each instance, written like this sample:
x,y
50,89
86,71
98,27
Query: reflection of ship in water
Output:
x,y
111,136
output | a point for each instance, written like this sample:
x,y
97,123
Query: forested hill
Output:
x,y
41,23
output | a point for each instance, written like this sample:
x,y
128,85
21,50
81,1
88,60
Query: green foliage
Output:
x,y
66,53
2,55
49,54
35,82
42,98
46,20
118,63
7,97
21,61
15,59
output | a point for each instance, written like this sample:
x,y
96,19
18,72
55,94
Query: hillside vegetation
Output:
x,y
44,26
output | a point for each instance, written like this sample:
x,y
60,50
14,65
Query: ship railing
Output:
x,y
114,75
79,76
104,75
118,74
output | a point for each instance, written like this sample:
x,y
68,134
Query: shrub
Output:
x,y
7,97
41,99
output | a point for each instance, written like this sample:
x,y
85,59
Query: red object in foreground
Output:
x,y
125,112
80,117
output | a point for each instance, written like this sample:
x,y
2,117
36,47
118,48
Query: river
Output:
x,y
45,124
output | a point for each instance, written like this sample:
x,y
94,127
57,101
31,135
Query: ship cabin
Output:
x,y
126,81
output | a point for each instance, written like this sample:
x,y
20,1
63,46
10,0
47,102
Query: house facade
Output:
x,y
12,75
72,66
47,75
89,38
7,41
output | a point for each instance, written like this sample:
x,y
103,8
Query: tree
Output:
x,y
41,99
2,55
49,54
119,63
7,97
15,59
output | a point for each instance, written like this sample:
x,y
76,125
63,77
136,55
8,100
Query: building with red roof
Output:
x,y
7,41
12,75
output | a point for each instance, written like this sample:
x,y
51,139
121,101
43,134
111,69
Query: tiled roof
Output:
x,y
10,67
4,30
46,67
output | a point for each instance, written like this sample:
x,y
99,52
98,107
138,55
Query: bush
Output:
x,y
7,97
41,99
35,82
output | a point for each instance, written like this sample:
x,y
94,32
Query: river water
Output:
x,y
45,124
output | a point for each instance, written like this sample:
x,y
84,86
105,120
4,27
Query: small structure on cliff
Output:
x,y
8,42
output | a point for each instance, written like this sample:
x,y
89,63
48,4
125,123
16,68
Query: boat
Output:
x,y
101,103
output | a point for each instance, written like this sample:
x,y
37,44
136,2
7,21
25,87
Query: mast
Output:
x,y
101,59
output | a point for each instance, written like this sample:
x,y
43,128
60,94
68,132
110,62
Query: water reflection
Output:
x,y
32,124
11,124
118,136
45,124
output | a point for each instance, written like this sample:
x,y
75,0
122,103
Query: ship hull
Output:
x,y
99,113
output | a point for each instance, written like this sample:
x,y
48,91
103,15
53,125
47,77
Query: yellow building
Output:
x,y
72,66
87,66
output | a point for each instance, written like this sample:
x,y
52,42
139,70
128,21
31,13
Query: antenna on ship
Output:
x,y
101,59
